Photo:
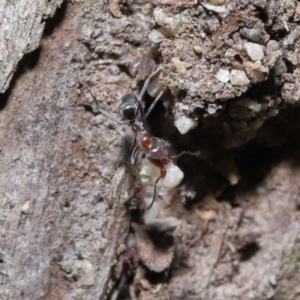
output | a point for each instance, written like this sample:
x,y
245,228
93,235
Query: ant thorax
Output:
x,y
142,137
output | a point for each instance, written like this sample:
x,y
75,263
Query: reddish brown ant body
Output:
x,y
132,114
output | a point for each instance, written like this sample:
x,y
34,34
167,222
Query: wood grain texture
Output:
x,y
61,218
21,28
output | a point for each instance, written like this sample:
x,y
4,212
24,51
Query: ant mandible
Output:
x,y
157,150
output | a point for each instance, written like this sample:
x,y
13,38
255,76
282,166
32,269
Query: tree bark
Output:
x,y
65,189
63,186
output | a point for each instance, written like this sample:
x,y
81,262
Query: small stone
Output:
x,y
253,34
289,40
280,67
25,207
238,77
208,215
272,46
174,176
87,274
157,35
184,124
217,87
272,280
222,75
211,110
171,23
256,71
179,65
255,51
197,49
218,9
149,173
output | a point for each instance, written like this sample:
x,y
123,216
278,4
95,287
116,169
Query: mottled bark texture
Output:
x,y
66,196
62,196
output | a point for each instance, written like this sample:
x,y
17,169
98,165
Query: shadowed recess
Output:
x,y
27,63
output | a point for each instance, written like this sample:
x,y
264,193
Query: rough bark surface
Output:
x,y
62,195
22,27
66,197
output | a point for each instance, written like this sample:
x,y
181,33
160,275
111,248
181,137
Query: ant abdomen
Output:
x,y
159,154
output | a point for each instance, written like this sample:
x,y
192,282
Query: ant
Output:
x,y
157,150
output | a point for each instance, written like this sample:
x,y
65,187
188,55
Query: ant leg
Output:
x,y
154,191
175,157
147,82
104,112
132,161
153,104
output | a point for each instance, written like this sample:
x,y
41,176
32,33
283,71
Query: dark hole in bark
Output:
x,y
249,251
28,62
56,20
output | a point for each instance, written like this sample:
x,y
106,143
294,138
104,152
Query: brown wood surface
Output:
x,y
65,189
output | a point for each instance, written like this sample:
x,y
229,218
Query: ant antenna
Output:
x,y
147,82
104,112
154,103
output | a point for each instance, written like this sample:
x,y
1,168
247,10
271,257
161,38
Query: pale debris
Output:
x,y
26,207
216,8
149,173
256,71
255,51
157,35
179,65
185,124
238,77
171,23
222,75
87,274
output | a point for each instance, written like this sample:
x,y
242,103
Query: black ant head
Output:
x,y
129,107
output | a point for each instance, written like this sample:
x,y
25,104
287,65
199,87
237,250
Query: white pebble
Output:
x,y
255,51
174,176
25,207
179,65
211,110
222,75
149,173
218,9
171,23
157,35
87,274
184,124
272,280
256,71
238,77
